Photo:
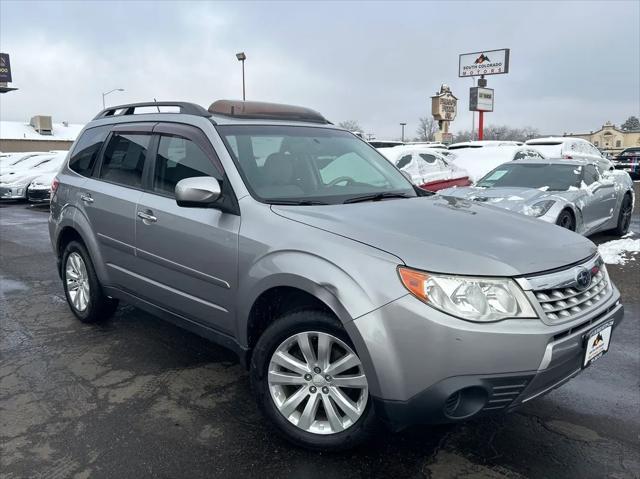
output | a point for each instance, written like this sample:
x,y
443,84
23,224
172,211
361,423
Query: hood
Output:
x,y
510,198
449,235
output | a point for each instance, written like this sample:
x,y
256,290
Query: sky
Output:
x,y
574,65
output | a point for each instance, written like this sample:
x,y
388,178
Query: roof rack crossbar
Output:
x,y
130,108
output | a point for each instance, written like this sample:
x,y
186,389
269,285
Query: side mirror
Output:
x,y
199,191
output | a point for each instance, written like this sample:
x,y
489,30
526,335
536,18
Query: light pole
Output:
x,y
106,93
242,57
402,125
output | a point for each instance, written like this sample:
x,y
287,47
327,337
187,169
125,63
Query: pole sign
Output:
x,y
488,62
444,105
5,68
481,99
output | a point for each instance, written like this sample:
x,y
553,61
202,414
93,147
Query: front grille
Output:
x,y
39,194
561,304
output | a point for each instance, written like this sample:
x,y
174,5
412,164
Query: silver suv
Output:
x,y
351,296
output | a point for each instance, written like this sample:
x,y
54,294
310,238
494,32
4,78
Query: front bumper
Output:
x,y
427,367
13,193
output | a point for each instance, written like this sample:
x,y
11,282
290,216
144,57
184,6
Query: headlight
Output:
x,y
539,209
474,299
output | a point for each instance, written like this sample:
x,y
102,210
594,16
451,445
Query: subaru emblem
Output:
x,y
583,278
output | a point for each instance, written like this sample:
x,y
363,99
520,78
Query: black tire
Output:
x,y
281,329
624,217
99,306
566,220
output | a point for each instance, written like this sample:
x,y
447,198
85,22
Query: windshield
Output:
x,y
528,175
307,164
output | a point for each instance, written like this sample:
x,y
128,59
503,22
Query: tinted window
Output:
x,y
123,159
551,177
404,161
590,174
177,159
86,150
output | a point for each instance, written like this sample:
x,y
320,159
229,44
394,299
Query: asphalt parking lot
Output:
x,y
137,397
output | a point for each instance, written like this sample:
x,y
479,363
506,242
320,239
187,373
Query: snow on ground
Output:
x,y
620,251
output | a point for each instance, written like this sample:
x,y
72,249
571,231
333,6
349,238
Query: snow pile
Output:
x,y
619,251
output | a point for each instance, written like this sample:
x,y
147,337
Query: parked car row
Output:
x,y
28,176
350,294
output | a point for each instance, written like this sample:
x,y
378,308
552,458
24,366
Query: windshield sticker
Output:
x,y
496,175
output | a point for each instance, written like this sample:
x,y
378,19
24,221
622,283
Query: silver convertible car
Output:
x,y
570,193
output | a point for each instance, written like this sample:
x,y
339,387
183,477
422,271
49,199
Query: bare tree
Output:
x,y
500,132
351,125
631,124
427,128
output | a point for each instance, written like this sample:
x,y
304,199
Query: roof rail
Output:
x,y
130,108
265,111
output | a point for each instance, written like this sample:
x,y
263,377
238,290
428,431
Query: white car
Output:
x,y
570,149
13,184
39,190
483,143
428,169
9,161
479,160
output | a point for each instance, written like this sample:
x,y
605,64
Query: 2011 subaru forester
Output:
x,y
350,294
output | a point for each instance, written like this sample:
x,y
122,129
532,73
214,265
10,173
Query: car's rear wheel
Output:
x,y
566,220
310,382
81,286
624,217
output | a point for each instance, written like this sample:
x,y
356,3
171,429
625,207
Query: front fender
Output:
x,y
343,292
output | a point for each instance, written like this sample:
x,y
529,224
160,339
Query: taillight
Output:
x,y
54,185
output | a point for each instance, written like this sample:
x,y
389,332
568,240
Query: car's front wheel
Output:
x,y
566,220
624,217
310,382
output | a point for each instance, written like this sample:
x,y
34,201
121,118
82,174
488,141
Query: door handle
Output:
x,y
87,198
147,217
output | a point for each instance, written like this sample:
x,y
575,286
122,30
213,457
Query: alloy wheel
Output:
x,y
317,382
77,281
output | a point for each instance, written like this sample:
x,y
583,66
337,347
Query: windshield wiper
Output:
x,y
297,202
376,197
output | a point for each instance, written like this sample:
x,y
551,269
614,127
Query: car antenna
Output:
x,y
156,101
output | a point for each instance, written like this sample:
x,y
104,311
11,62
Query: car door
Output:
x,y
188,256
109,199
600,201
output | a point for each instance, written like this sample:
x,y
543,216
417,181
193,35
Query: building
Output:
x,y
610,139
40,134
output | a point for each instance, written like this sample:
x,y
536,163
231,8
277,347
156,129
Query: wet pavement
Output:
x,y
137,397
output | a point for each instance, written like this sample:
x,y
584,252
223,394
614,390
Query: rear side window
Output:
x,y
86,150
177,159
123,159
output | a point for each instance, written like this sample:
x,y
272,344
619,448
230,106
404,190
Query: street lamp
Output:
x,y
242,57
402,125
106,93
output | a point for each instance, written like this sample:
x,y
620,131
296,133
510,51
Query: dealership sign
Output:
x,y
488,62
5,68
444,105
481,99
